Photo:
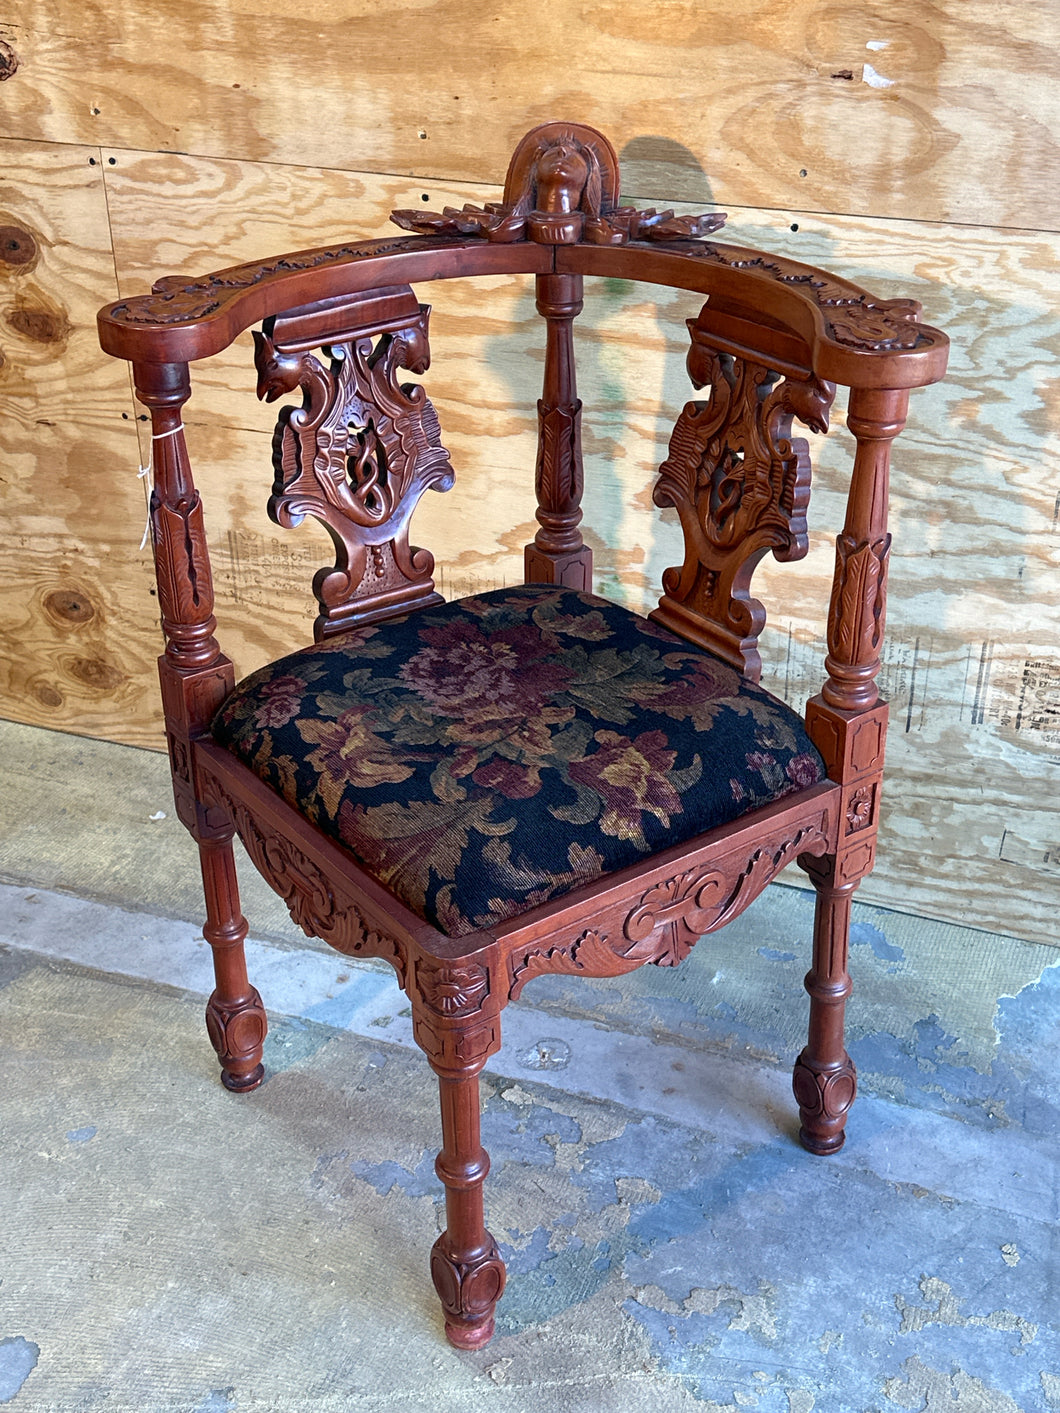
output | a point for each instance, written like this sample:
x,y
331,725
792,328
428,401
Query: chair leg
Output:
x,y
466,1267
235,1016
825,1080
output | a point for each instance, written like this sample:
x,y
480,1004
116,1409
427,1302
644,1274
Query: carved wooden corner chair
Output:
x,y
529,780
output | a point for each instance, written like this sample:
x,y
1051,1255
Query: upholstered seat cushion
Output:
x,y
484,756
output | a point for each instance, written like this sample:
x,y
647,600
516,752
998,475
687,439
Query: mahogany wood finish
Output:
x,y
770,343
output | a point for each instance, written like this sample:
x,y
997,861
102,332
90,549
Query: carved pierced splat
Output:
x,y
562,187
357,456
740,484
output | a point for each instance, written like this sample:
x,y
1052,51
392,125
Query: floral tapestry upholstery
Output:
x,y
487,755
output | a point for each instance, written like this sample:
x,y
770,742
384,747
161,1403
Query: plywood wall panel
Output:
x,y
904,110
56,267
78,615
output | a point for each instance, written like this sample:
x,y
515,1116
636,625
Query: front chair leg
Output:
x,y
466,1266
825,1080
235,1017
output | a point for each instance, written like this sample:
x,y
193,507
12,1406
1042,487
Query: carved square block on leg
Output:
x,y
852,743
572,569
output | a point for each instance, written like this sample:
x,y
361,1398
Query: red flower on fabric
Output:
x,y
803,771
349,753
517,782
485,679
279,702
632,779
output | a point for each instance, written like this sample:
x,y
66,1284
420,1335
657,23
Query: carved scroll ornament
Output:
x,y
306,891
562,188
740,485
357,456
669,918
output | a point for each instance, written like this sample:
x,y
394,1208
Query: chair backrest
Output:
x,y
771,341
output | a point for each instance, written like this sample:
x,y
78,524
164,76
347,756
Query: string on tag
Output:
x,y
145,474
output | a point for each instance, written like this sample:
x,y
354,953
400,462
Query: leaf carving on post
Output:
x,y
855,623
740,485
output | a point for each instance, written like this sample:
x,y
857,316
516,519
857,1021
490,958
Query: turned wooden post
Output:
x,y
859,588
558,554
466,1266
825,1079
456,1021
235,1016
848,724
196,677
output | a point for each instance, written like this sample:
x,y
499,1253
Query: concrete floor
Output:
x,y
169,1246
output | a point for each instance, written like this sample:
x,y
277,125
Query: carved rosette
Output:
x,y
357,456
455,1015
740,485
860,811
469,1291
452,989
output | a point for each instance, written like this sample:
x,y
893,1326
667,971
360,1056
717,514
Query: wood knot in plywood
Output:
x,y
9,60
95,672
17,247
69,606
39,324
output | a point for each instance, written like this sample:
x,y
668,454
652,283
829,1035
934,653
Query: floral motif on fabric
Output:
x,y
486,756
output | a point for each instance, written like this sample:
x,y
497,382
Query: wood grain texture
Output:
x,y
77,630
55,263
777,103
78,613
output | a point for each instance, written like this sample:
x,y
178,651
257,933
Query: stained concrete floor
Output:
x,y
165,1245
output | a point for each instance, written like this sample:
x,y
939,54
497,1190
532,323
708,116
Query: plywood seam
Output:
x,y
638,197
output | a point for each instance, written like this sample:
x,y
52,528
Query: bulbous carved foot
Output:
x,y
825,1094
237,1032
469,1291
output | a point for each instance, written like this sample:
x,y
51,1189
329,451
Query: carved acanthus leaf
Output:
x,y
855,318
589,953
673,915
175,300
669,918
